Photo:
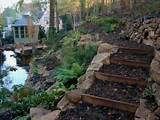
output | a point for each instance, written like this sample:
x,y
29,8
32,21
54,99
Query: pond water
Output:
x,y
16,75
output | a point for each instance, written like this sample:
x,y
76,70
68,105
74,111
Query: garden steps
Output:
x,y
126,73
133,72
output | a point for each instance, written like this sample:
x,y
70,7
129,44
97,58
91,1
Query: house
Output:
x,y
21,31
44,21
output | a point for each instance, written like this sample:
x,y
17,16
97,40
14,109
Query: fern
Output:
x,y
66,74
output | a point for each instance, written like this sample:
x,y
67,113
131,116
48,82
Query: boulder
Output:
x,y
37,113
107,48
100,58
89,80
157,55
51,116
157,95
142,111
74,96
63,103
85,39
148,42
155,71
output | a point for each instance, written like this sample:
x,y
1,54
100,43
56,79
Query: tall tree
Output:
x,y
19,6
52,20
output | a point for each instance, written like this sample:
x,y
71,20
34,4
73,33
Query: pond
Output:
x,y
16,75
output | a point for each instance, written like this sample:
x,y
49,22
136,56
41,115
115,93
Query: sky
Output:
x,y
9,3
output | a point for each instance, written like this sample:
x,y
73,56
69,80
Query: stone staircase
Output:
x,y
120,84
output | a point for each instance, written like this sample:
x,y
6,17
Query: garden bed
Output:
x,y
125,71
116,91
89,112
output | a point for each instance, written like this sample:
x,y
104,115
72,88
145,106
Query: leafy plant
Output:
x,y
35,70
149,95
84,55
107,24
20,92
65,75
21,118
149,92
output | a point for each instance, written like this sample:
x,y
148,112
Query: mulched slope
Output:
x,y
89,112
125,71
116,91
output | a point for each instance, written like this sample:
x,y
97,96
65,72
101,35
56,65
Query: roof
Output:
x,y
22,22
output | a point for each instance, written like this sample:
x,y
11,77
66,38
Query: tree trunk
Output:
x,y
57,16
52,13
51,21
74,21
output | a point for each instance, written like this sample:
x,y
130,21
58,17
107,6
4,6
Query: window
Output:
x,y
22,32
16,32
26,31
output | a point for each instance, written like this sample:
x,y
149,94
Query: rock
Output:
x,y
81,79
157,55
97,62
142,111
151,116
157,45
89,80
51,116
148,42
154,115
158,31
157,95
100,58
85,39
155,71
74,96
107,48
63,103
139,119
94,66
37,113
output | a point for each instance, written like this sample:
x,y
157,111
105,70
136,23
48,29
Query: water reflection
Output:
x,y
16,75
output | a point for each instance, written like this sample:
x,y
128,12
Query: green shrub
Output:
x,y
75,59
65,75
47,100
107,24
22,118
84,55
71,39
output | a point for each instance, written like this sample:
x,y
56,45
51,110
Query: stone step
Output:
x,y
115,95
133,60
120,79
125,71
137,50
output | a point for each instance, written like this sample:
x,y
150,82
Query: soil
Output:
x,y
116,91
125,71
133,57
7,114
89,112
